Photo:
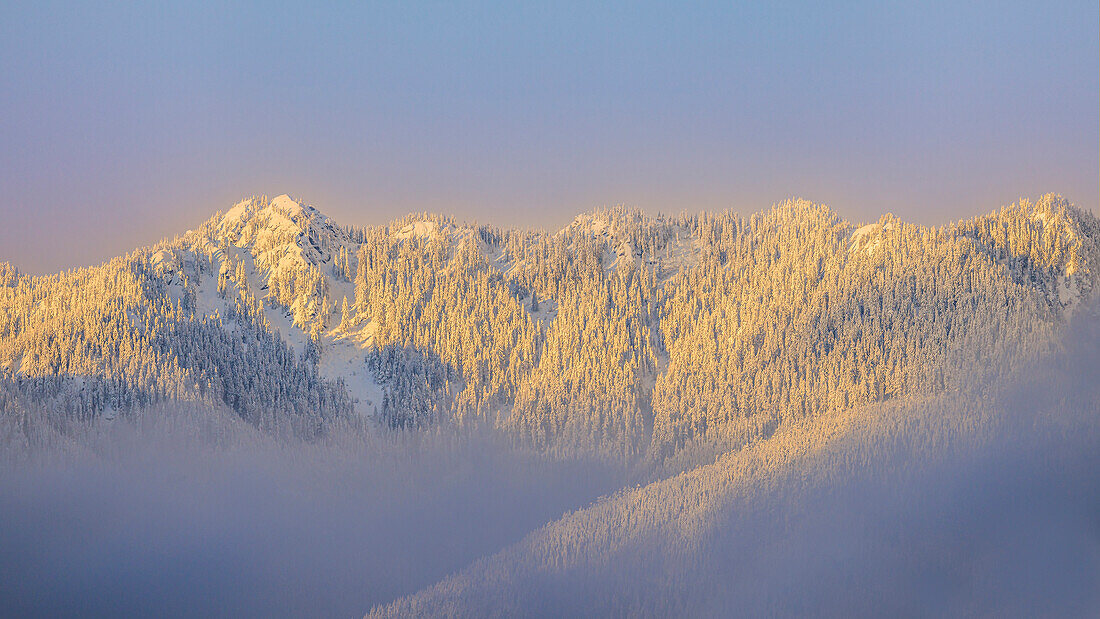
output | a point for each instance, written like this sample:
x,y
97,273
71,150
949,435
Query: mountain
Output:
x,y
960,503
778,414
635,338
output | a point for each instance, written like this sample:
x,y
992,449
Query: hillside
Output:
x,y
668,340
973,501
670,416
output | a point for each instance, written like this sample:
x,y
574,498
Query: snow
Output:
x,y
273,240
683,249
547,312
238,213
343,352
207,301
864,231
164,260
869,238
418,229
1068,293
287,205
344,356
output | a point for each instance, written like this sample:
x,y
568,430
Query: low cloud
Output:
x,y
262,529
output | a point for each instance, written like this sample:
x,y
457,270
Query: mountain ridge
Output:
x,y
599,337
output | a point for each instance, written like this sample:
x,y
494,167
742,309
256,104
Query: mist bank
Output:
x,y
983,501
155,516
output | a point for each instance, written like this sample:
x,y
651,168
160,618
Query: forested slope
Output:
x,y
633,337
972,501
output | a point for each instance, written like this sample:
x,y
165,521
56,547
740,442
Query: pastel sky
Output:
x,y
123,124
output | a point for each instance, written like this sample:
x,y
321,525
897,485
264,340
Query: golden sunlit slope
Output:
x,y
625,335
934,488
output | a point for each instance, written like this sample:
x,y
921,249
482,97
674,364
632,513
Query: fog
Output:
x,y
999,515
1005,531
983,503
177,526
972,503
1000,518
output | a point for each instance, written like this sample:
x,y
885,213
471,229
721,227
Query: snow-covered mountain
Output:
x,y
953,503
623,334
683,416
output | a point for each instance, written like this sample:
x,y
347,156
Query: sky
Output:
x,y
124,124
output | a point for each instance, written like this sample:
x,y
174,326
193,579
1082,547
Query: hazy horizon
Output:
x,y
139,123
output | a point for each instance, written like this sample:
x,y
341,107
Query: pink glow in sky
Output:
x,y
120,126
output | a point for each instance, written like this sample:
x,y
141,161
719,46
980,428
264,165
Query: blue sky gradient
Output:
x,y
122,124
